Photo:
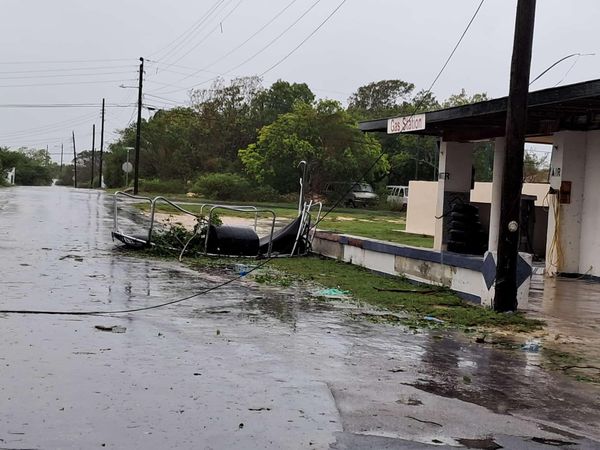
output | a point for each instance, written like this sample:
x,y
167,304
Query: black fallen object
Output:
x,y
232,241
284,240
243,241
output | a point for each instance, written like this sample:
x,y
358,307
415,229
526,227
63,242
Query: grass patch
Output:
x,y
441,303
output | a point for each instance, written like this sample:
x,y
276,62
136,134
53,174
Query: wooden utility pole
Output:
x,y
62,148
138,133
93,154
74,162
512,181
101,148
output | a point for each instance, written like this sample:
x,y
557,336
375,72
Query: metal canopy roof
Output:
x,y
571,107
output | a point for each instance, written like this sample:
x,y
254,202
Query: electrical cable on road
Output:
x,y
143,308
269,259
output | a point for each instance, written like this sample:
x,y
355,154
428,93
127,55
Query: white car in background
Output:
x,y
397,197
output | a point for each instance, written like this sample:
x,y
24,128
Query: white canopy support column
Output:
x,y
497,174
567,179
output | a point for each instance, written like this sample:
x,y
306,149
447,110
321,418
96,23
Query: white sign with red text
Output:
x,y
406,124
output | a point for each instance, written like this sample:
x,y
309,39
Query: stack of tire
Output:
x,y
465,233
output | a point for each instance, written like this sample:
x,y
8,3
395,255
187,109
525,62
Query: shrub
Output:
x,y
162,186
265,194
223,186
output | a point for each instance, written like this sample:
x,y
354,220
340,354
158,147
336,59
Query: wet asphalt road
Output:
x,y
244,367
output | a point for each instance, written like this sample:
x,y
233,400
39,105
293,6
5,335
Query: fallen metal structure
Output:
x,y
293,239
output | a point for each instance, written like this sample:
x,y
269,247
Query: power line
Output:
x,y
579,55
263,49
68,75
252,36
60,105
189,30
220,24
63,84
50,127
305,39
273,41
66,69
71,61
196,30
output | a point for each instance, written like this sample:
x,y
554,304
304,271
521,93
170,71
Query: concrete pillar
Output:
x,y
498,172
568,165
454,184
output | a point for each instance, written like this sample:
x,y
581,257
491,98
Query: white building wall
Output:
x,y
589,248
420,216
420,213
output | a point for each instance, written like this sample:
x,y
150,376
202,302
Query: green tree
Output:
x,y
226,122
279,99
462,98
33,167
113,161
535,167
381,98
411,157
322,134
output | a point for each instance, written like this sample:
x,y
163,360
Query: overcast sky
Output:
x,y
74,51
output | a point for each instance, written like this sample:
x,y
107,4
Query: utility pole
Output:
x,y
62,148
138,132
93,154
512,181
101,148
74,162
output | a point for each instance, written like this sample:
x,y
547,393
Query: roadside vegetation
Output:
x,y
33,167
242,141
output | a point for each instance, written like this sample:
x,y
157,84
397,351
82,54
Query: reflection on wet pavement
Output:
x,y
247,366
571,308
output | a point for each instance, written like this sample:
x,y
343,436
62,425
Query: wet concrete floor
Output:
x,y
246,366
571,308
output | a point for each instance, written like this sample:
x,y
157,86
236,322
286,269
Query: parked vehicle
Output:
x,y
397,197
354,193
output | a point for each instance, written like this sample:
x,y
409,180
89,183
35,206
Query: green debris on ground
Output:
x,y
403,301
